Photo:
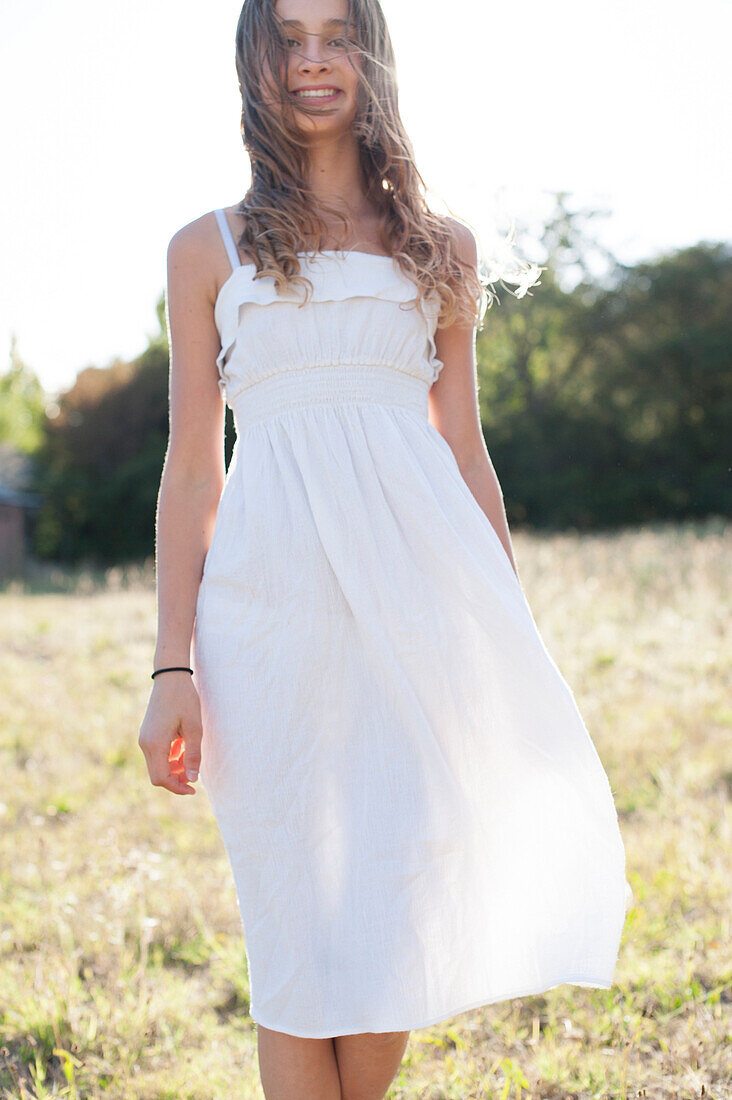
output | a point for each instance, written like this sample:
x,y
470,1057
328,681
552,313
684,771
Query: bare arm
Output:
x,y
194,471
455,413
190,488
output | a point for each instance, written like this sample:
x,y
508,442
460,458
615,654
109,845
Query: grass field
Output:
x,y
123,971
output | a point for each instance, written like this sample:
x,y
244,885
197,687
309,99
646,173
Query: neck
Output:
x,y
334,174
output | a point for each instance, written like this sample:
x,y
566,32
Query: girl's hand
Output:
x,y
170,734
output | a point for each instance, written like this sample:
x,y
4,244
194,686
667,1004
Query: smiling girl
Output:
x,y
417,820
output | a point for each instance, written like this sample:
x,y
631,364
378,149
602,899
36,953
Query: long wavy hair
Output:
x,y
280,212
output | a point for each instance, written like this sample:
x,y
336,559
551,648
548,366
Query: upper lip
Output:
x,y
316,88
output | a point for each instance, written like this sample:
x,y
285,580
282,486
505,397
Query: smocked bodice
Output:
x,y
361,335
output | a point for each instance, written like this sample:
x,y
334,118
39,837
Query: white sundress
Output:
x,y
417,820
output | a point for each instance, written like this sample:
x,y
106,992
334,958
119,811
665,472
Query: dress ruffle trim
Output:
x,y
334,278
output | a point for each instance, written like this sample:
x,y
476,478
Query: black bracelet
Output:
x,y
174,668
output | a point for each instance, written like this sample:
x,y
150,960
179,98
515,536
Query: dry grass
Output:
x,y
123,970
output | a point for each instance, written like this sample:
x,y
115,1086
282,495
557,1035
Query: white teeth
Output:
x,y
317,94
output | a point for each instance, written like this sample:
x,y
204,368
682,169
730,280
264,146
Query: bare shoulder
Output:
x,y
464,241
194,239
197,255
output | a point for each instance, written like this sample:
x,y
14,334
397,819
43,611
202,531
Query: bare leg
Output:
x,y
292,1068
367,1063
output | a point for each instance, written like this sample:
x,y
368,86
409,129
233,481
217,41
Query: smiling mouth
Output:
x,y
319,95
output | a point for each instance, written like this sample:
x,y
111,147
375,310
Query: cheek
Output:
x,y
349,79
288,68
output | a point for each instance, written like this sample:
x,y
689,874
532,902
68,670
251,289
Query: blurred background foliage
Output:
x,y
605,400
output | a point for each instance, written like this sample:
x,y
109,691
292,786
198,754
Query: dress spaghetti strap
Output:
x,y
228,238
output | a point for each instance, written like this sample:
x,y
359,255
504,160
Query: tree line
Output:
x,y
603,403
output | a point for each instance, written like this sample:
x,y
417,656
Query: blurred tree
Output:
x,y
22,404
604,397
609,402
100,465
661,370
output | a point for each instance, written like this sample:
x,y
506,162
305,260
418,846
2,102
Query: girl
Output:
x,y
417,820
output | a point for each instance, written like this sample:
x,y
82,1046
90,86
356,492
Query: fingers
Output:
x,y
175,768
185,755
175,785
173,758
191,752
166,767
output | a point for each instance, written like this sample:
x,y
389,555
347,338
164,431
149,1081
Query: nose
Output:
x,y
314,54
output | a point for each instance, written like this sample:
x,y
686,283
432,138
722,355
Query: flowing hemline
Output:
x,y
528,991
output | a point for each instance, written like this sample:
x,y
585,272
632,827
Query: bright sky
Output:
x,y
120,124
